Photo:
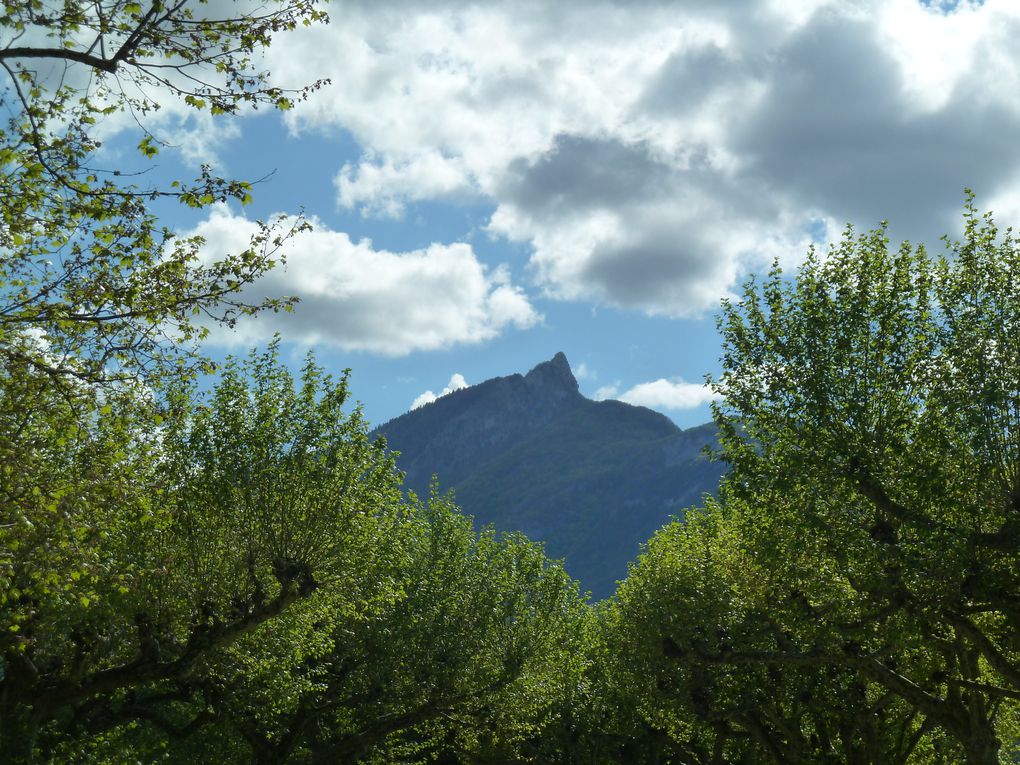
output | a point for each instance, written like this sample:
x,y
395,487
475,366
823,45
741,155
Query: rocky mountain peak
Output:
x,y
591,479
553,378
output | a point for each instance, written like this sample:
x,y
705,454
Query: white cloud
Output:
x,y
583,372
383,188
359,298
457,382
668,394
606,392
659,394
651,158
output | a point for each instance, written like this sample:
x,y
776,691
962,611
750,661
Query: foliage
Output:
x,y
100,308
722,679
86,269
241,580
248,509
865,551
458,664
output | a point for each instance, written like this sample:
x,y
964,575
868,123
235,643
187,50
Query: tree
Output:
x,y
721,660
876,397
461,661
256,589
100,306
852,594
239,521
871,417
88,272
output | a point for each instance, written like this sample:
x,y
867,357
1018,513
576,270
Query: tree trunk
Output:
x,y
982,748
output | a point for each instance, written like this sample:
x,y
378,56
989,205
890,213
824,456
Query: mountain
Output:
x,y
591,479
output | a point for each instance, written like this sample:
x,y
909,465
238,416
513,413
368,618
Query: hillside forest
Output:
x,y
204,563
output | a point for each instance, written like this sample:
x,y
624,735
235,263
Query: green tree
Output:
x,y
100,305
87,271
714,648
240,580
871,416
236,524
459,662
96,298
852,595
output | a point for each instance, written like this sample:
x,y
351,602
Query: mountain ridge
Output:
x,y
591,479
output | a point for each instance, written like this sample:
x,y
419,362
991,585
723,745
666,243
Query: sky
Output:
x,y
493,182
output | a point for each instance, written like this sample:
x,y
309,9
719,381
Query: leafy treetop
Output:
x,y
100,290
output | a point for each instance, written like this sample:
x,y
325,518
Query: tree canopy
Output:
x,y
866,540
243,581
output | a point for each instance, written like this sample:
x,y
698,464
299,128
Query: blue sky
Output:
x,y
492,183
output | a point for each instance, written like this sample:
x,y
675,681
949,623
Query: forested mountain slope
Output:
x,y
592,479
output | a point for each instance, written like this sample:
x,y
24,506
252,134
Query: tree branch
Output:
x,y
96,62
145,670
873,491
869,666
995,659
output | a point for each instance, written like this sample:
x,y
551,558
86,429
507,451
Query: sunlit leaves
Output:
x,y
87,263
852,595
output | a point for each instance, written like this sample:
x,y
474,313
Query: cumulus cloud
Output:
x,y
457,382
385,187
660,394
650,158
668,394
869,147
360,298
583,372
